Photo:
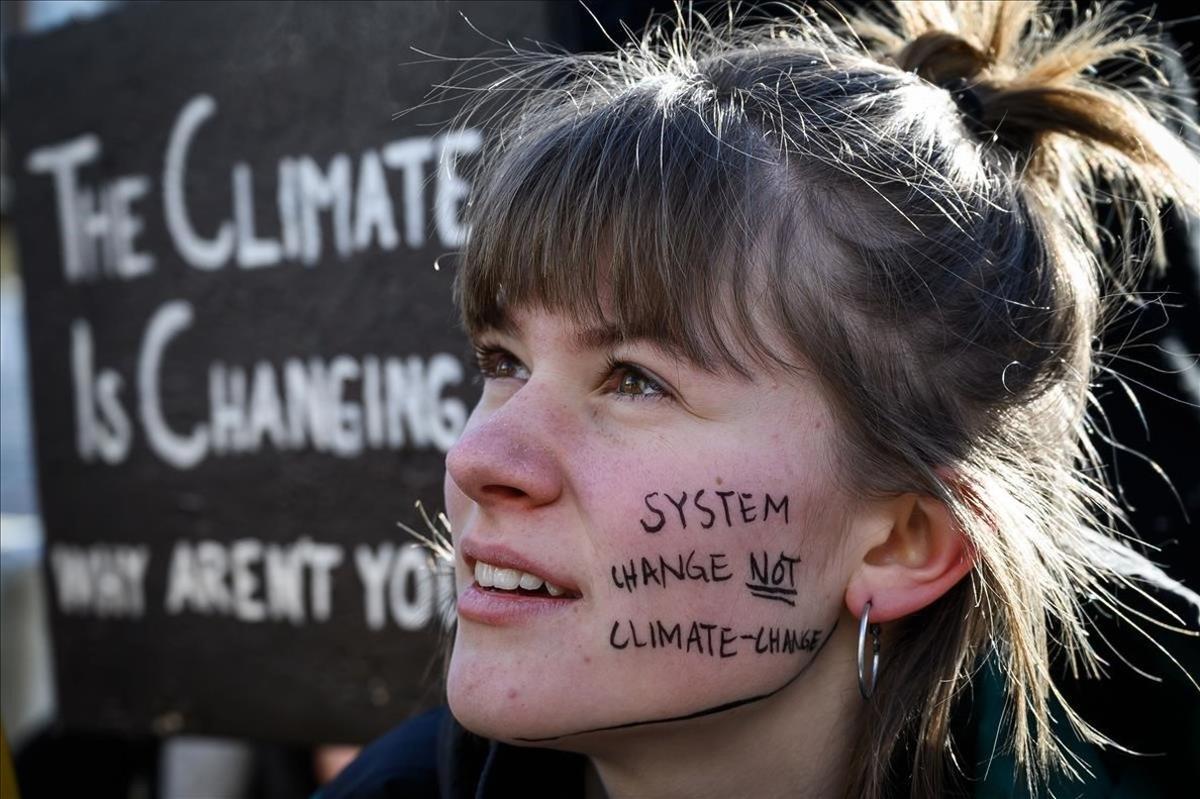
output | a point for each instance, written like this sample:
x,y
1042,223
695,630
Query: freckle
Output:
x,y
719,481
587,659
512,693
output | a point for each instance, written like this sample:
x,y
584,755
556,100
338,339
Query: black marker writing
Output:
x,y
660,571
679,507
781,507
774,581
710,640
712,517
725,495
773,640
747,510
696,637
738,508
653,528
708,711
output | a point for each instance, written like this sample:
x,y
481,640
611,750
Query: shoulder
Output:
x,y
1150,707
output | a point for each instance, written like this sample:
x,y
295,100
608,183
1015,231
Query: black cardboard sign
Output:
x,y
246,367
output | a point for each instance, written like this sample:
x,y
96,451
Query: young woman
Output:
x,y
787,344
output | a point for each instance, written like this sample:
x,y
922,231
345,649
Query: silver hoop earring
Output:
x,y
863,627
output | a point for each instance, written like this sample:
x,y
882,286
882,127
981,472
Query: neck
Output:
x,y
794,743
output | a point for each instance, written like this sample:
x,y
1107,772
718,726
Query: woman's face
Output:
x,y
687,521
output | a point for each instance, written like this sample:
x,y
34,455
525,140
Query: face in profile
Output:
x,y
637,539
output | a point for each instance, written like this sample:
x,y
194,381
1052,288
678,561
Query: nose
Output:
x,y
508,458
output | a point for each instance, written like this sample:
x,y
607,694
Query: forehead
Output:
x,y
641,222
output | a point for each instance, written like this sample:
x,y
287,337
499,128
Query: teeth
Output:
x,y
483,574
489,576
508,579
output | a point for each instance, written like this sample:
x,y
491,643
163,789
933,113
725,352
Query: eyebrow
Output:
x,y
606,336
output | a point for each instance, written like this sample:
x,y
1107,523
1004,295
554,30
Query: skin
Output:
x,y
555,463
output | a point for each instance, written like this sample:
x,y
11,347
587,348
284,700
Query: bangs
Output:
x,y
640,216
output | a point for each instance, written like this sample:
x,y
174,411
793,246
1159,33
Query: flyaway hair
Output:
x,y
722,188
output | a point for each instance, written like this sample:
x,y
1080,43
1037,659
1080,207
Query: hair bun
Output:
x,y
953,63
967,99
1039,85
940,56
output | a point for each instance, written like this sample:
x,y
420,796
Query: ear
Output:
x,y
915,555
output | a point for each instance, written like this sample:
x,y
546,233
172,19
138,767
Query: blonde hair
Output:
x,y
936,264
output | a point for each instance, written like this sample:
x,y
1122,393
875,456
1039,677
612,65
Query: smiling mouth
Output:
x,y
505,581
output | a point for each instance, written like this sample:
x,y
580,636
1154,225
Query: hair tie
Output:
x,y
968,102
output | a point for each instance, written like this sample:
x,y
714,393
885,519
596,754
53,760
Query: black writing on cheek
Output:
x,y
677,570
662,519
783,641
695,637
711,640
747,510
780,507
612,637
773,579
668,635
679,507
627,578
738,508
697,571
728,643
664,570
712,517
715,709
725,495
650,574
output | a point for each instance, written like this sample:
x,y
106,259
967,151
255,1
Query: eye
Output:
x,y
497,363
630,382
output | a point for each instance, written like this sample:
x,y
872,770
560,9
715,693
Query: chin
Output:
x,y
517,700
506,705
529,687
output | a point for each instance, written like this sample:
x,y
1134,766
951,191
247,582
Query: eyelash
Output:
x,y
488,359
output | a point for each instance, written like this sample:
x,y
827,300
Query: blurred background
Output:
x,y
229,367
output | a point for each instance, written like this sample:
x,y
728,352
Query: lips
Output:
x,y
488,575
510,586
502,557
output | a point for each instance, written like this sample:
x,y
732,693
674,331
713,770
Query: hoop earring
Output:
x,y
863,627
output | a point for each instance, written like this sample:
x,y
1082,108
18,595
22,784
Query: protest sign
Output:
x,y
246,365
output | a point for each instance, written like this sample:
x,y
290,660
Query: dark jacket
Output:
x,y
432,756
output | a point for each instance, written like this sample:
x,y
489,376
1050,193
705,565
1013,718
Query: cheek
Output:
x,y
741,554
705,581
457,506
456,502
726,508
707,577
